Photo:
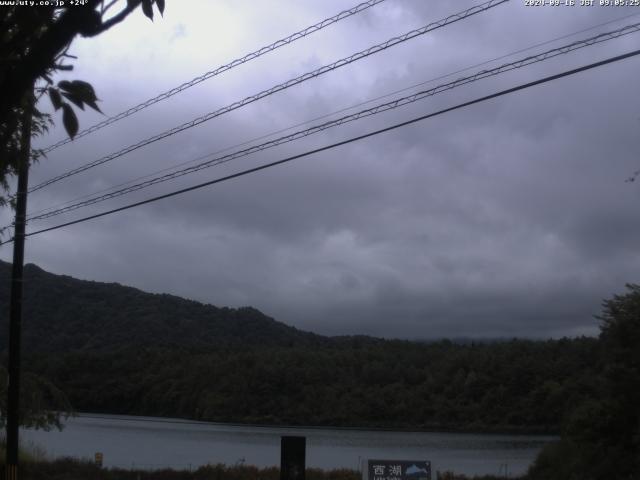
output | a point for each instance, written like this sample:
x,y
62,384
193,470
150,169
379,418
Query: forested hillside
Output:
x,y
507,386
116,349
63,314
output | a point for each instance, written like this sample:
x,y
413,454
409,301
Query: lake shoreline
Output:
x,y
151,443
498,430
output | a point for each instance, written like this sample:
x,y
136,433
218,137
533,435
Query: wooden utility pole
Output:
x,y
15,318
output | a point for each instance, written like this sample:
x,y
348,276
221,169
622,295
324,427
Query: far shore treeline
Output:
x,y
107,348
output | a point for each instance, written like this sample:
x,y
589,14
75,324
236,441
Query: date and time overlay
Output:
x,y
581,3
527,3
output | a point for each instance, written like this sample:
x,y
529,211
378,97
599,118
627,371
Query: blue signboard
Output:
x,y
399,470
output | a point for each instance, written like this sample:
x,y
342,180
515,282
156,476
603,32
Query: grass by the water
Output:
x,y
73,469
34,465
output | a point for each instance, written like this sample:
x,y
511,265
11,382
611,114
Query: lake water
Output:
x,y
150,443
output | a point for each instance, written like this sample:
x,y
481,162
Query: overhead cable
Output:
x,y
399,102
327,115
282,86
343,142
221,69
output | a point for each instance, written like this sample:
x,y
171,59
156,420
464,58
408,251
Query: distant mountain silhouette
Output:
x,y
63,314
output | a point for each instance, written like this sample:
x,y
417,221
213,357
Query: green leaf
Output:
x,y
69,120
160,4
65,85
85,93
55,97
80,93
94,105
84,90
80,89
147,8
75,99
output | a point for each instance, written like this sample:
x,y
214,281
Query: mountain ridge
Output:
x,y
116,349
62,313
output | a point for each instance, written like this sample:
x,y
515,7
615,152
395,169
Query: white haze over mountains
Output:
x,y
507,218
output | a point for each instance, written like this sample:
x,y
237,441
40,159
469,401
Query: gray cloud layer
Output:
x,y
509,218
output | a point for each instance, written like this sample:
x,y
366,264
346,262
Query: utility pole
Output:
x,y
15,318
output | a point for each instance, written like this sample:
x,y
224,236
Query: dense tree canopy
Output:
x,y
601,436
43,406
519,386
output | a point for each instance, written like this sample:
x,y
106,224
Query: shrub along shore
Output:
x,y
73,469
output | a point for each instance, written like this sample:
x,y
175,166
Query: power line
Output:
x,y
307,76
221,69
628,29
282,86
321,117
343,142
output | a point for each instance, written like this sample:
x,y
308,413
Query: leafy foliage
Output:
x,y
601,436
34,46
43,405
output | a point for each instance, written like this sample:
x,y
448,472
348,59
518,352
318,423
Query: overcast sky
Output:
x,y
507,218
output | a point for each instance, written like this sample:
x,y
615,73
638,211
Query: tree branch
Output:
x,y
105,9
41,56
131,6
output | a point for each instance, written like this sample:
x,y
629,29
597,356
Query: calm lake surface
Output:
x,y
150,443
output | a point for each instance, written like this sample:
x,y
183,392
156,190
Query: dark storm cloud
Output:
x,y
509,218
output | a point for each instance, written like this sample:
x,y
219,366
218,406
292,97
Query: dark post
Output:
x,y
292,458
15,318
